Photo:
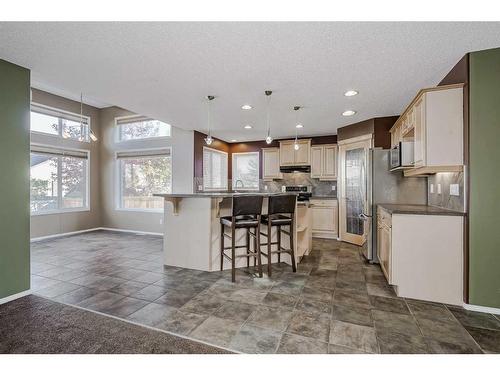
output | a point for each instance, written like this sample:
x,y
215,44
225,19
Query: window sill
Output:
x,y
144,210
58,212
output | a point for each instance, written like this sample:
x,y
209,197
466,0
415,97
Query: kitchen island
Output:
x,y
192,230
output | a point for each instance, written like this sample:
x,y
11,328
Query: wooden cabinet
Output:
x,y
384,243
324,162
291,157
271,163
324,218
434,123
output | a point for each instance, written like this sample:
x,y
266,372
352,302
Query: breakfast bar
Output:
x,y
192,230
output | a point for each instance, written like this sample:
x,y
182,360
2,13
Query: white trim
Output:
x,y
36,239
144,210
130,231
485,309
233,167
15,296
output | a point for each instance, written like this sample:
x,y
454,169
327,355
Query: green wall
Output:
x,y
484,210
14,172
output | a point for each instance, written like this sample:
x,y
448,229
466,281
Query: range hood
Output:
x,y
296,168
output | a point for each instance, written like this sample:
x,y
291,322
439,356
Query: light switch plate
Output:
x,y
454,189
439,188
432,189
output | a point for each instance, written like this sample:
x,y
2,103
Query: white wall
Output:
x,y
182,145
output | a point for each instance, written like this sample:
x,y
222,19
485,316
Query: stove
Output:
x,y
304,191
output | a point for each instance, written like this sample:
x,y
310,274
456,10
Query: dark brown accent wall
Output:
x,y
378,126
251,146
460,74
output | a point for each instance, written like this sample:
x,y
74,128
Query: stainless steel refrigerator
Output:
x,y
387,187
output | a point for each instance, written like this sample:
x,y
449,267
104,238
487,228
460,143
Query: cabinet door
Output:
x,y
302,155
329,162
316,161
323,219
384,249
419,148
271,163
287,153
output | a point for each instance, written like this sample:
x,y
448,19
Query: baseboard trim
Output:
x,y
131,231
15,296
36,239
485,309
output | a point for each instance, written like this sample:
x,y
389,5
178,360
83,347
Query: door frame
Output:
x,y
363,141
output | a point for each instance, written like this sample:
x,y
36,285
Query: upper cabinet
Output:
x,y
434,123
271,163
324,162
291,157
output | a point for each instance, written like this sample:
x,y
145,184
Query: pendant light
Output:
x,y
269,139
209,139
295,143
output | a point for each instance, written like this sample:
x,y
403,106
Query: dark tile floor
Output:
x,y
335,303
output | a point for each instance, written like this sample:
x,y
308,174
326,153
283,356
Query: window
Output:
x,y
59,123
246,171
214,169
142,174
58,180
140,127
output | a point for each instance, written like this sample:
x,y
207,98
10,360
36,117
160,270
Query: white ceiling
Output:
x,y
164,70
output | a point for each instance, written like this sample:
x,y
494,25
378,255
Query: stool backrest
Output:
x,y
282,204
247,205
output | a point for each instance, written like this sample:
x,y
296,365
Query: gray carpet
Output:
x,y
34,324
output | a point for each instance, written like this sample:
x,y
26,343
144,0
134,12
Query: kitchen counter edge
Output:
x,y
416,209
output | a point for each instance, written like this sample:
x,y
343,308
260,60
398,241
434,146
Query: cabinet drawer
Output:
x,y
323,202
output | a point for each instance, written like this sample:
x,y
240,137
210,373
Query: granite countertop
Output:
x,y
419,209
218,194
324,197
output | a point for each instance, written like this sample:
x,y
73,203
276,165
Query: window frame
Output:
x,y
227,169
60,130
233,166
117,130
118,176
59,181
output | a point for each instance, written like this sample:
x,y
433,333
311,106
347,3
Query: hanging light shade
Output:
x,y
269,139
296,143
209,139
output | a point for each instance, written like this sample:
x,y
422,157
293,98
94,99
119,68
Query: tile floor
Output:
x,y
335,303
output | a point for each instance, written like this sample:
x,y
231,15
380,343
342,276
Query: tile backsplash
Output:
x,y
445,199
319,188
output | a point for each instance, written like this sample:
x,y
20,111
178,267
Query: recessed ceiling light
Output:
x,y
233,140
248,126
351,93
348,113
299,126
246,106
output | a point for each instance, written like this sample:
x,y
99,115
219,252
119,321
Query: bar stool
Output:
x,y
246,214
280,213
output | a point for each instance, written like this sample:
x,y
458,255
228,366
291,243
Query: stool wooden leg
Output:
x,y
222,247
248,247
292,253
279,243
233,254
269,255
259,259
254,248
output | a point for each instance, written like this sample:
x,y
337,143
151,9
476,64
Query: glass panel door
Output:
x,y
355,190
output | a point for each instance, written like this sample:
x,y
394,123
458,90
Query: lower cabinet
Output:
x,y
324,218
384,244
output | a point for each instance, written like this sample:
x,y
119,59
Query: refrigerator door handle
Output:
x,y
364,217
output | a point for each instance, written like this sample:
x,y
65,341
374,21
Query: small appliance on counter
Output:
x,y
402,156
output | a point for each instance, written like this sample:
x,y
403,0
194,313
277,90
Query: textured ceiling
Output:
x,y
164,70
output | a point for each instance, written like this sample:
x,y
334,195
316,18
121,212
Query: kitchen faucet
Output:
x,y
236,184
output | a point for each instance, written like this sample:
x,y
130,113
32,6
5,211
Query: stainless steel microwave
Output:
x,y
402,156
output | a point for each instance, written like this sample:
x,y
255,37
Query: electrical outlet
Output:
x,y
283,189
200,187
432,189
334,187
265,187
454,189
439,188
